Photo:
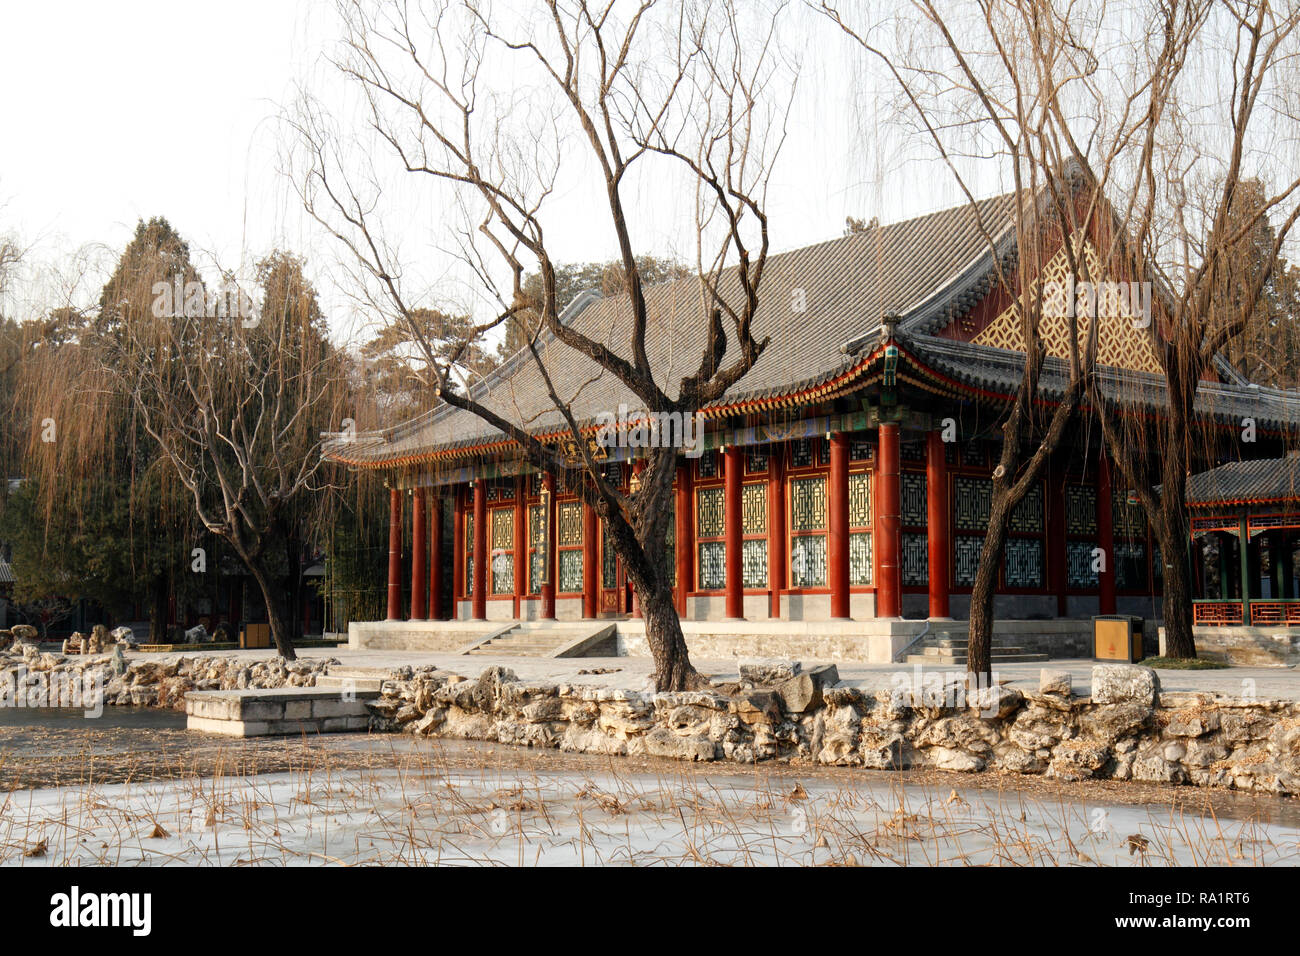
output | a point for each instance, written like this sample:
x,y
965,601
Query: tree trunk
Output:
x,y
1172,534
158,610
663,631
979,641
276,612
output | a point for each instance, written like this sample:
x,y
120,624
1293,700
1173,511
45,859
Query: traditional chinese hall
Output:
x,y
843,484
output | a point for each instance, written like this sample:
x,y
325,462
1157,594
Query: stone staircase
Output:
x,y
949,650
549,639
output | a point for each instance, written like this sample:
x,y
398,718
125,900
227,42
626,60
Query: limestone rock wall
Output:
x,y
28,674
1127,729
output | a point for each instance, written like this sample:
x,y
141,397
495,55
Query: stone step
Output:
x,y
961,649
278,711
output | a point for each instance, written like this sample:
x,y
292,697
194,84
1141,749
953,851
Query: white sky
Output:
x,y
116,112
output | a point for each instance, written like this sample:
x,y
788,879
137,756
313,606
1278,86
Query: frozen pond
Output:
x,y
432,811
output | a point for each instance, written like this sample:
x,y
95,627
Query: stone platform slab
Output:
x,y
278,711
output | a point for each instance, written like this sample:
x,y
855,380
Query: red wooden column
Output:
x,y
685,534
458,548
435,558
419,547
521,545
394,554
1105,538
637,468
776,540
733,528
938,539
590,565
837,538
480,552
889,595
548,559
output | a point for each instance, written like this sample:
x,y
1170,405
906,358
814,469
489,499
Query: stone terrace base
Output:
x,y
876,642
278,711
873,641
1276,646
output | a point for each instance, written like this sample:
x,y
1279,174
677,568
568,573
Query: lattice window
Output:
x,y
753,560
613,473
570,522
608,559
753,554
861,449
1128,520
860,564
503,529
756,459
915,570
973,455
1024,563
1130,565
808,504
808,532
1079,573
1027,517
805,452
503,572
568,534
503,550
571,571
1080,510
911,491
536,547
911,450
710,520
469,552
808,561
535,484
965,558
859,499
710,526
706,466
971,501
713,565
753,500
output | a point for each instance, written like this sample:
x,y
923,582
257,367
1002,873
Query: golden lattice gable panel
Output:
x,y
1120,343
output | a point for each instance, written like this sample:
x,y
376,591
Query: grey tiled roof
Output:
x,y
1269,479
6,572
1000,370
848,284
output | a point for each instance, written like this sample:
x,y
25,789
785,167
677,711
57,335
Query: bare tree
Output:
x,y
988,79
1179,178
689,91
1157,160
235,398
